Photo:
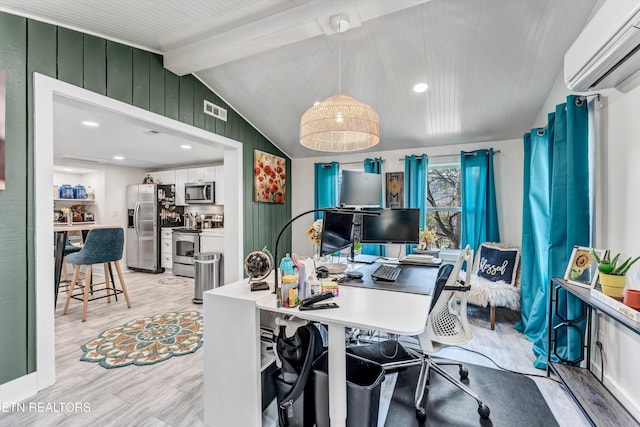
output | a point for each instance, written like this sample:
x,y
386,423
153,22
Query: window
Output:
x,y
444,212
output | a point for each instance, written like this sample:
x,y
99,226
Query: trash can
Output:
x,y
364,379
207,273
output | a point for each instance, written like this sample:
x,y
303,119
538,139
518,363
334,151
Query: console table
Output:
x,y
595,400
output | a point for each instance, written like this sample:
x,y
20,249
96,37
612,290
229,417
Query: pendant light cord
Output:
x,y
339,56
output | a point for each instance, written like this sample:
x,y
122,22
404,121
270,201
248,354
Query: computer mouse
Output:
x,y
322,272
354,275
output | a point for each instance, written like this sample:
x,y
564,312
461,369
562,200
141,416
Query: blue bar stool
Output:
x,y
102,246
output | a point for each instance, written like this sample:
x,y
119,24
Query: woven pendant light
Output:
x,y
339,123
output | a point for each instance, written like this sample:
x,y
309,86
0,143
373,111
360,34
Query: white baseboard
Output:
x,y
19,389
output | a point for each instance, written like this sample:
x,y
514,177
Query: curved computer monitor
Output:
x,y
391,226
336,232
360,189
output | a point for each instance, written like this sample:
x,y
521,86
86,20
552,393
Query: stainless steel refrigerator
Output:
x,y
143,233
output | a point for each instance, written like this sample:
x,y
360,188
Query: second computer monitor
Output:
x,y
391,226
336,232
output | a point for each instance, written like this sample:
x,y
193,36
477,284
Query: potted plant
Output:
x,y
613,275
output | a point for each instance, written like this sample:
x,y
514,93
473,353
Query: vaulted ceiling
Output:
x,y
489,64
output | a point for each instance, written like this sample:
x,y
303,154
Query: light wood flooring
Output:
x,y
170,393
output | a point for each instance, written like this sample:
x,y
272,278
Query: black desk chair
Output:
x,y
447,324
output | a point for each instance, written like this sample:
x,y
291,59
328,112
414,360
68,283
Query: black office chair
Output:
x,y
446,325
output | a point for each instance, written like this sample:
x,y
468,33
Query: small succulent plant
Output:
x,y
610,266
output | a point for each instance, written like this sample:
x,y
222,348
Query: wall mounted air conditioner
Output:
x,y
608,49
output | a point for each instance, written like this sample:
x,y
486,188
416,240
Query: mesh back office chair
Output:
x,y
446,325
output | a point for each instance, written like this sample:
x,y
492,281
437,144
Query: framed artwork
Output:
x,y
395,189
3,104
583,267
269,178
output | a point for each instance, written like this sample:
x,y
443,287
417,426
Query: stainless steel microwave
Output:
x,y
200,192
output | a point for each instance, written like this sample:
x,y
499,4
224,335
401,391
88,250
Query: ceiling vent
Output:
x,y
214,110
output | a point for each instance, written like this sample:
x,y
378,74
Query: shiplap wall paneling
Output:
x,y
118,71
13,203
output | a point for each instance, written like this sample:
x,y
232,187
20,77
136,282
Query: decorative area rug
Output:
x,y
514,400
146,341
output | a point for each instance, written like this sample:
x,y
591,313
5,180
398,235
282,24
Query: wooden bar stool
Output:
x,y
68,250
102,246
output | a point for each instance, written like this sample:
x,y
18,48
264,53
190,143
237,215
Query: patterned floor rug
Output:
x,y
146,341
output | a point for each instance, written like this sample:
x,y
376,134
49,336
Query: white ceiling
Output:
x,y
122,135
490,64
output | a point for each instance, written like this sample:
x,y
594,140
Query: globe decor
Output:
x,y
147,340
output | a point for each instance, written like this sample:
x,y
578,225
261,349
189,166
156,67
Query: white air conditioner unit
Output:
x,y
608,50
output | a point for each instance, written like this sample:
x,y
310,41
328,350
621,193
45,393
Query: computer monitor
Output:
x,y
360,189
336,232
391,226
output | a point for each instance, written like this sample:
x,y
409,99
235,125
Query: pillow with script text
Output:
x,y
497,264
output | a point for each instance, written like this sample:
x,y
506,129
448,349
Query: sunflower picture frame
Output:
x,y
583,267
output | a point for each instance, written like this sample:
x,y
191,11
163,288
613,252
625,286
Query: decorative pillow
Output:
x,y
498,264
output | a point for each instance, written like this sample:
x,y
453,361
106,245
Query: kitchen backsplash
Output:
x,y
204,209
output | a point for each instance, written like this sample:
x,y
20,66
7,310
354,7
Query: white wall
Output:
x,y
508,178
617,207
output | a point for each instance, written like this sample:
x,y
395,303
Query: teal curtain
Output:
x,y
555,217
415,187
374,166
326,187
479,211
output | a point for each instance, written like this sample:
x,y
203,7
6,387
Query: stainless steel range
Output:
x,y
186,242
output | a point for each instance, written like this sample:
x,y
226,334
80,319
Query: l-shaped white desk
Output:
x,y
232,351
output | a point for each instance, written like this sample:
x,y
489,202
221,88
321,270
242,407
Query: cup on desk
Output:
x,y
289,291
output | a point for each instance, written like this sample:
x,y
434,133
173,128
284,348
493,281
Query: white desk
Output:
x,y
232,347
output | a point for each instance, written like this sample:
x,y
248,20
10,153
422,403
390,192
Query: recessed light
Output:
x,y
420,87
118,158
185,147
90,123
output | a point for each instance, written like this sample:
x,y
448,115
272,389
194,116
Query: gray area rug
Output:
x,y
514,400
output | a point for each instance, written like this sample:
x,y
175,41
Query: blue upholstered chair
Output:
x,y
102,246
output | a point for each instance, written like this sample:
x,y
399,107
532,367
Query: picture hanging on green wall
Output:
x,y
269,178
3,107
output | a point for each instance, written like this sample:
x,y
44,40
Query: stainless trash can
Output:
x,y
207,273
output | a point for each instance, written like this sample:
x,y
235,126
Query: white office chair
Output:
x,y
446,325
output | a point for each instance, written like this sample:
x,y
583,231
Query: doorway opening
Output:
x,y
46,91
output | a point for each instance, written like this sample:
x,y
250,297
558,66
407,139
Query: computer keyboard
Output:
x,y
388,273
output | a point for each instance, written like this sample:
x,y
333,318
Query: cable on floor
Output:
x,y
500,367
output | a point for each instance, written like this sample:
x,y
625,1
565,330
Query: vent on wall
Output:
x,y
214,110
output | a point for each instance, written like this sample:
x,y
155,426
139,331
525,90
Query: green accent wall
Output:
x,y
118,71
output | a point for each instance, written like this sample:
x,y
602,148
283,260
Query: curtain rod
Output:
x,y
402,159
453,155
597,95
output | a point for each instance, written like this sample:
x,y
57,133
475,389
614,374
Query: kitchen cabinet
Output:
x,y
164,177
219,180
166,248
182,177
202,174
